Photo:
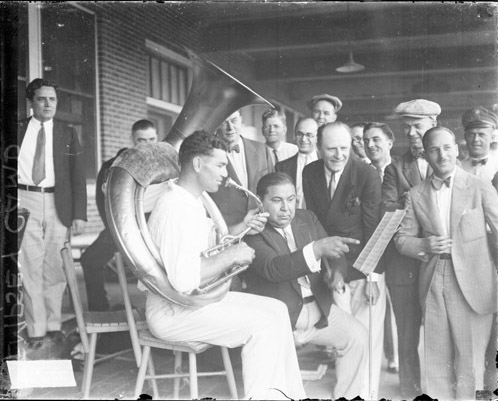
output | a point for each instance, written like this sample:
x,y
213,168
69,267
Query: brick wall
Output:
x,y
122,29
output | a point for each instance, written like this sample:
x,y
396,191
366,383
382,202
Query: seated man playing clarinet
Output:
x,y
291,259
181,230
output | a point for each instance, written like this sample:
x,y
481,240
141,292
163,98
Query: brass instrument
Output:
x,y
213,97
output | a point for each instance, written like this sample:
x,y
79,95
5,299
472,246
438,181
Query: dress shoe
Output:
x,y
56,336
35,342
392,368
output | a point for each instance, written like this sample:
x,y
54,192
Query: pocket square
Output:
x,y
466,210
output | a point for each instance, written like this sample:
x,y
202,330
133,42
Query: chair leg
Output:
x,y
141,372
152,373
194,390
177,380
229,372
89,361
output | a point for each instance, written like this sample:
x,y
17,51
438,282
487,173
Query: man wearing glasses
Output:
x,y
305,132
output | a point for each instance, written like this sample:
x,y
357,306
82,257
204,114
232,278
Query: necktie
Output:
x,y
289,237
276,155
332,186
437,182
476,162
417,153
235,148
381,173
38,173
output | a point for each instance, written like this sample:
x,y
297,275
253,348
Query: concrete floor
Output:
x,y
115,378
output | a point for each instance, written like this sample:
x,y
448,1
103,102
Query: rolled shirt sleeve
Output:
x,y
313,263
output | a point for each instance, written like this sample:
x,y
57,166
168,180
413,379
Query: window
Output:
x,y
168,84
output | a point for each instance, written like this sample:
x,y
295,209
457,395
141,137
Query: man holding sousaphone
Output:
x,y
180,229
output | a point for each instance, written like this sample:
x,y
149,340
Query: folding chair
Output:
x,y
148,341
91,324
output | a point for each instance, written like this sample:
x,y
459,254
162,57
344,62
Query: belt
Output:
x,y
445,256
308,300
32,188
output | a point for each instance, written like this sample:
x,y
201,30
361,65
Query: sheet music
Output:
x,y
377,244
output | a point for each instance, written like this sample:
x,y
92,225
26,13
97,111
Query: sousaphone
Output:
x,y
213,97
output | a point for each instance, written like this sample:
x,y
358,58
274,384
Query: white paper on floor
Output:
x,y
34,374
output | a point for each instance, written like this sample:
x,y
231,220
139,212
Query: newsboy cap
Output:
x,y
418,108
479,117
335,101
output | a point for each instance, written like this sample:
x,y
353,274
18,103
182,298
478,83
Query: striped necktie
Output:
x,y
38,173
289,237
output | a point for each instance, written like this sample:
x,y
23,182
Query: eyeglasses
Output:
x,y
300,135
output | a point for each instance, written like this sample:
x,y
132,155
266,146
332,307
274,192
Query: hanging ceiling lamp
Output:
x,y
351,65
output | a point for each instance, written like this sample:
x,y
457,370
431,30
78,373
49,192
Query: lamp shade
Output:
x,y
350,66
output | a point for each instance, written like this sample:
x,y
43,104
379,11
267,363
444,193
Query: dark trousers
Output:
x,y
93,262
408,314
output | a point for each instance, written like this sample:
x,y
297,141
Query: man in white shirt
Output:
x,y
480,126
274,131
52,186
445,229
378,141
305,132
180,229
324,108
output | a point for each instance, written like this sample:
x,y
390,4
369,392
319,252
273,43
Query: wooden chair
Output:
x,y
91,324
148,341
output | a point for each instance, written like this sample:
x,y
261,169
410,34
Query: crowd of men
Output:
x,y
322,200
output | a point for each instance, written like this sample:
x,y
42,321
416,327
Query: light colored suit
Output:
x,y
458,296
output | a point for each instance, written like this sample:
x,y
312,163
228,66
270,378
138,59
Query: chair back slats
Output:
x,y
67,262
130,315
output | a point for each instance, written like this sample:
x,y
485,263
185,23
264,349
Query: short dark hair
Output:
x,y
301,119
142,125
200,143
274,112
383,127
361,125
431,131
36,84
332,124
270,180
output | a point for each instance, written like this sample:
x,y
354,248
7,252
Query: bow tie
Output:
x,y
235,148
437,182
481,161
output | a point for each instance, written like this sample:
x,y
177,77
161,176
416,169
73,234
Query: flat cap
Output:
x,y
479,117
335,101
418,108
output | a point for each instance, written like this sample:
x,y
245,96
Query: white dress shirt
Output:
x,y
27,154
238,161
302,161
443,199
284,151
485,171
309,256
422,167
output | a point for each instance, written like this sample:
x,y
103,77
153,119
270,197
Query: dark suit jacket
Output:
x,y
288,166
233,203
399,177
474,202
353,212
70,183
275,270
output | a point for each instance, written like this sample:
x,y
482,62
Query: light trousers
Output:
x,y
350,339
355,301
40,263
261,325
455,339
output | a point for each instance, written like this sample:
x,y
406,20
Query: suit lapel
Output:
x,y
410,170
459,199
251,167
293,168
231,172
427,203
